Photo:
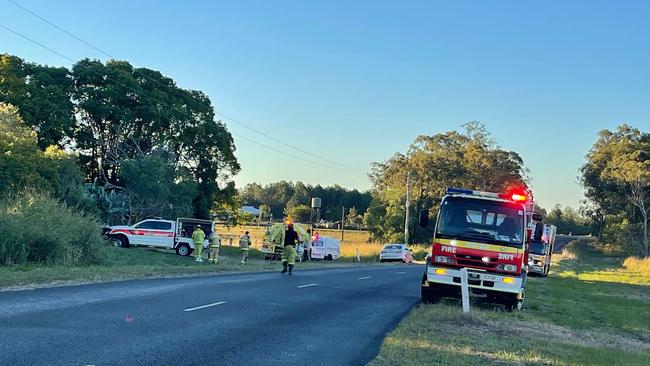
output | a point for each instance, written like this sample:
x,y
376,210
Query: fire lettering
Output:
x,y
446,249
506,256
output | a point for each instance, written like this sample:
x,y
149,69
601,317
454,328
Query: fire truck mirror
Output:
x,y
537,217
539,231
424,218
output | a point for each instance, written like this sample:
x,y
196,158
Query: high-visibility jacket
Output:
x,y
198,237
215,240
244,241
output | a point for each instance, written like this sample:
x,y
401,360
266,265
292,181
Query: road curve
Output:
x,y
316,317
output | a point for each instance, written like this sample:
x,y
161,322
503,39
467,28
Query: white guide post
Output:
x,y
464,289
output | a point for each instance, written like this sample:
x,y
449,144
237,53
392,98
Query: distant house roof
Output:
x,y
251,210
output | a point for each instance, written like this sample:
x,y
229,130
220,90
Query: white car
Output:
x,y
159,233
396,252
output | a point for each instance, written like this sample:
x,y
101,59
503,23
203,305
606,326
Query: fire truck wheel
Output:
x,y
514,304
121,241
428,294
183,250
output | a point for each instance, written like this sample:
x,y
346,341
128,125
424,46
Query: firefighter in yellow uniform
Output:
x,y
215,243
244,244
198,237
289,252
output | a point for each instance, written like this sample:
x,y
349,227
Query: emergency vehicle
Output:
x,y
541,249
486,233
274,239
324,248
160,233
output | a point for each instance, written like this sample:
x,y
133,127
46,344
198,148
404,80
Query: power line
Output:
x,y
62,30
291,155
348,170
217,112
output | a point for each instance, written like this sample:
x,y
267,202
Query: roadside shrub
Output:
x,y
37,228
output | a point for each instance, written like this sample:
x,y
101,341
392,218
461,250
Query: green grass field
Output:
x,y
593,309
134,263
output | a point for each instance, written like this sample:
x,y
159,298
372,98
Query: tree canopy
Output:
x,y
616,178
469,159
280,197
113,114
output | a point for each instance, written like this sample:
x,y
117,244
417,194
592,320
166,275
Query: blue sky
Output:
x,y
358,81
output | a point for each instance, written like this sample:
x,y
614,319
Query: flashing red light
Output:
x,y
518,197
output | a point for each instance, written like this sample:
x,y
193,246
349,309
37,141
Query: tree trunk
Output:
x,y
646,245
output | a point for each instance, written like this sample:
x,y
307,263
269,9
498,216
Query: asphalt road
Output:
x,y
562,240
315,317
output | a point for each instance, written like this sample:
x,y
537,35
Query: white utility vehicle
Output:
x,y
325,248
160,233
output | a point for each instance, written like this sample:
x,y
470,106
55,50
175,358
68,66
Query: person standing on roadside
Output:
x,y
289,251
244,245
198,237
215,243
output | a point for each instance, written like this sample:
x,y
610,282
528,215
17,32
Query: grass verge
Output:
x,y
593,309
132,263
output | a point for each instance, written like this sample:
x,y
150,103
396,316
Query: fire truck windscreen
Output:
x,y
483,221
538,247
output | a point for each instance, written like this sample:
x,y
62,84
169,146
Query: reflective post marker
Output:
x,y
464,289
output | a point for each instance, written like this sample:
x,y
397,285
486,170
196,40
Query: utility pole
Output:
x,y
406,220
342,223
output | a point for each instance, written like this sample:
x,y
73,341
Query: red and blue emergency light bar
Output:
x,y
516,197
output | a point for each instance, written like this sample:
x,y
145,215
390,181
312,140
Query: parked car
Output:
x,y
159,233
326,249
396,252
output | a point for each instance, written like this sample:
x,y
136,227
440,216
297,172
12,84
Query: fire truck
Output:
x,y
541,249
486,233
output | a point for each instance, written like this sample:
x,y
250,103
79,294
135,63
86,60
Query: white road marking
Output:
x,y
401,272
364,278
205,306
308,285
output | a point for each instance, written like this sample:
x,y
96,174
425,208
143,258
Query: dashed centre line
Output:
x,y
205,306
364,278
401,272
308,285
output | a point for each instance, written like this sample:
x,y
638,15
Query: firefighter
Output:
x,y
288,252
198,236
215,243
244,244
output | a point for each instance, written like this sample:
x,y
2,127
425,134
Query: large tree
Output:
x,y
127,113
616,176
470,159
111,113
43,97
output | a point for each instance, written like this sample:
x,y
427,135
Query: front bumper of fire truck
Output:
x,y
477,279
536,263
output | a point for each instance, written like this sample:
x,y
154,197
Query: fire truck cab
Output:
x,y
541,249
486,233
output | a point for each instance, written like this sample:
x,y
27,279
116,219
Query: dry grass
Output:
x,y
637,265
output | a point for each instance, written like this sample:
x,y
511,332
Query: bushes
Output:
x,y
37,228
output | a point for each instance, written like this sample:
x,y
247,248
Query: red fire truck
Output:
x,y
487,234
